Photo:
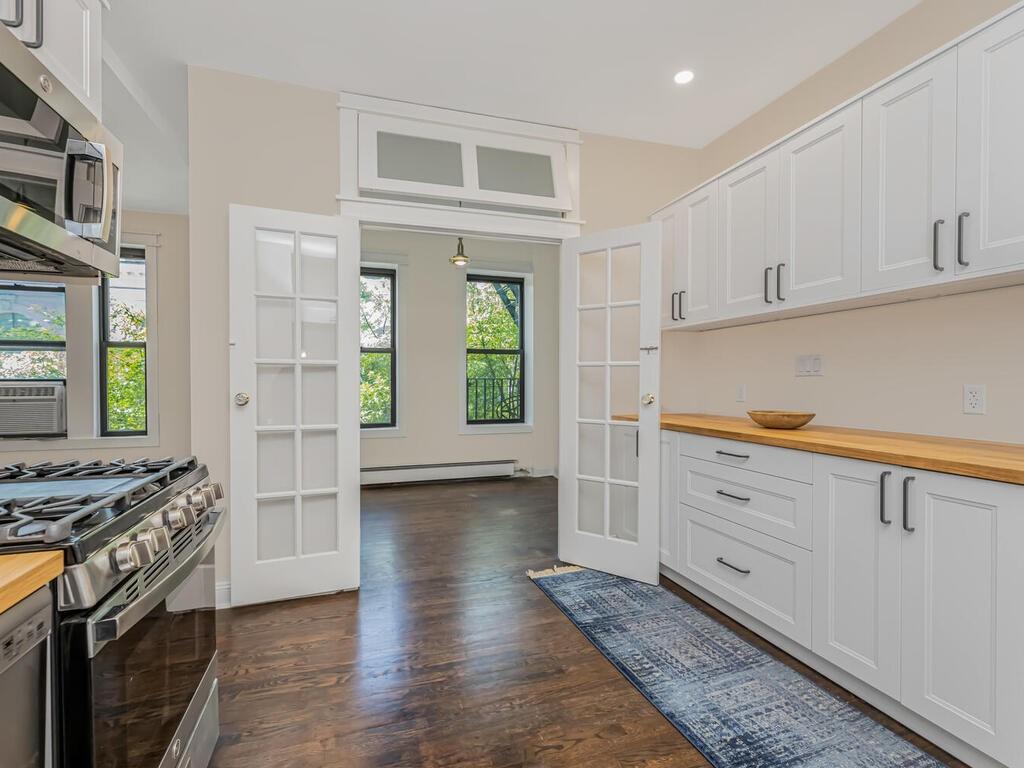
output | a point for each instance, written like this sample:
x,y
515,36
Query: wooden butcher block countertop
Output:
x,y
24,573
972,458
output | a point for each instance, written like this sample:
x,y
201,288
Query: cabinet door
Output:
x,y
820,227
669,218
856,570
696,266
669,501
749,205
72,43
909,178
990,153
963,617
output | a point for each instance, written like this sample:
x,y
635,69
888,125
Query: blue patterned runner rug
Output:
x,y
735,703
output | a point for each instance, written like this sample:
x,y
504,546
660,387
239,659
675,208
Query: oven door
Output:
x,y
139,687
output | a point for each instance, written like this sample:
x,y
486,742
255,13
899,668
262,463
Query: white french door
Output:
x,y
294,325
609,463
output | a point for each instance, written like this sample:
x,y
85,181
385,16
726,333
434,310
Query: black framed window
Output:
x,y
33,332
123,353
495,350
377,362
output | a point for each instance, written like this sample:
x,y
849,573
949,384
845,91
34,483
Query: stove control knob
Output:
x,y
218,490
158,539
132,555
175,519
209,496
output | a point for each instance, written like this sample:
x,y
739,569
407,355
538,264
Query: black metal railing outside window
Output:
x,y
495,350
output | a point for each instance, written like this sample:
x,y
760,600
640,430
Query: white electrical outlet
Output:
x,y
974,398
810,365
741,393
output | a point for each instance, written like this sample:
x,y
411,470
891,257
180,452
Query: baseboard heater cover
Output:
x,y
418,473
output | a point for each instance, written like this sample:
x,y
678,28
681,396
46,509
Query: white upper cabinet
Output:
x,y
820,211
909,218
749,236
990,152
669,220
697,257
69,42
963,618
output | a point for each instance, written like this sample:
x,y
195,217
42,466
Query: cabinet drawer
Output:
x,y
781,462
765,577
772,505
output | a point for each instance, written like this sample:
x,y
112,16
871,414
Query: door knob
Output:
x,y
242,398
647,399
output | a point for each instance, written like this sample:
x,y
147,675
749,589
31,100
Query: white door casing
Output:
x,y
990,153
608,511
294,325
909,176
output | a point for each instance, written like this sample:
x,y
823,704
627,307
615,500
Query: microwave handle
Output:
x,y
91,150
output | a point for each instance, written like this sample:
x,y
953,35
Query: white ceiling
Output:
x,y
603,66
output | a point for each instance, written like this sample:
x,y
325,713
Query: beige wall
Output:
x,y
172,341
431,337
899,367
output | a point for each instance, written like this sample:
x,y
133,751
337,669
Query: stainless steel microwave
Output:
x,y
60,174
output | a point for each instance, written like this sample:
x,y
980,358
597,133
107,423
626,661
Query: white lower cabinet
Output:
x,y
911,581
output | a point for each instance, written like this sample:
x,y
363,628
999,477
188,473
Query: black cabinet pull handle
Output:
x,y
935,245
733,455
19,15
906,504
733,496
778,281
767,275
744,571
881,497
681,315
675,295
960,240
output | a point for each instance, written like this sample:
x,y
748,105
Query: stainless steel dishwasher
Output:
x,y
25,669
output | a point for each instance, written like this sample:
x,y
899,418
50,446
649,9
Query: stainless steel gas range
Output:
x,y
135,683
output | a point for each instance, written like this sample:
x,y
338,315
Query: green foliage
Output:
x,y
126,370
39,322
493,317
375,332
375,388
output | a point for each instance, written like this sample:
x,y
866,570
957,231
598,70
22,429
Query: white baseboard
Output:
x,y
419,473
543,472
223,592
877,699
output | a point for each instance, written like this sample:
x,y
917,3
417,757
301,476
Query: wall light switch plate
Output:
x,y
810,365
974,399
741,393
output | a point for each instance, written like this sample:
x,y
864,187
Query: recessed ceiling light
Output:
x,y
683,77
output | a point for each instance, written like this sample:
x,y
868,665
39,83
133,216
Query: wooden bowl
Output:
x,y
781,419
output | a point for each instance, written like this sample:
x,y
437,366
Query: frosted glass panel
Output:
x,y
523,173
275,462
319,395
275,329
594,277
625,334
625,386
319,460
319,524
626,273
593,335
590,508
319,265
275,395
623,512
624,464
412,158
275,529
592,393
319,330
275,259
591,449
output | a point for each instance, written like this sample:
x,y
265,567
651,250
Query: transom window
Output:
x,y
122,346
495,350
377,389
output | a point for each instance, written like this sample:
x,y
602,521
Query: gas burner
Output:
x,y
116,468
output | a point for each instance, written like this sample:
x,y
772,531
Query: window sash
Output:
x,y
106,344
391,275
520,351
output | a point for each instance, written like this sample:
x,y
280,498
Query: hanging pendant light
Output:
x,y
460,259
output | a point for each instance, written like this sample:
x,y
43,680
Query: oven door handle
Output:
x,y
115,622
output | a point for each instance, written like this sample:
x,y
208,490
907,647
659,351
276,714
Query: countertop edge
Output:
x,y
22,574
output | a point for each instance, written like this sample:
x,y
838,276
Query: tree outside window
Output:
x,y
33,339
377,386
495,350
123,347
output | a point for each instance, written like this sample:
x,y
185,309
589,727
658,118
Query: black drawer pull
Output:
x,y
733,496
733,455
744,571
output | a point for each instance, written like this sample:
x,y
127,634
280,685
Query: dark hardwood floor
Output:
x,y
447,656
